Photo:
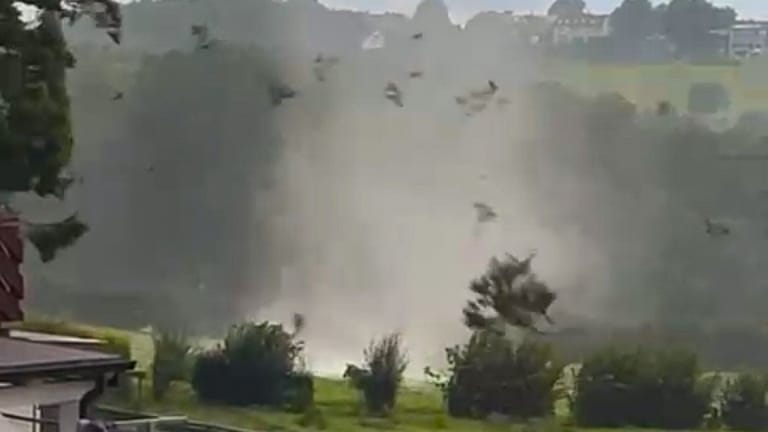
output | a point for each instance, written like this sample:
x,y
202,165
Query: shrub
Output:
x,y
744,405
210,376
170,362
382,374
643,388
708,98
257,364
492,374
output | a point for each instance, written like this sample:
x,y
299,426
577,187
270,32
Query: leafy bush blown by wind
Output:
x,y
509,293
641,388
379,379
492,374
257,364
170,362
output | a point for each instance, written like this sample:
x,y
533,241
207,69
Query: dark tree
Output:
x,y
634,20
35,131
567,8
509,293
688,23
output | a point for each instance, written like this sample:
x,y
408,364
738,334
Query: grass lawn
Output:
x,y
419,406
646,85
419,410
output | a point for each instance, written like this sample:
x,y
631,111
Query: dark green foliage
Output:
x,y
211,376
35,131
744,406
687,24
721,346
567,8
35,136
49,238
379,379
507,294
708,98
492,374
642,388
257,364
300,393
634,20
170,362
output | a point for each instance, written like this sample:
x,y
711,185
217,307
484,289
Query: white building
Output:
x,y
580,28
744,40
46,387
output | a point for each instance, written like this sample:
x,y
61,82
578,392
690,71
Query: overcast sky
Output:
x,y
461,10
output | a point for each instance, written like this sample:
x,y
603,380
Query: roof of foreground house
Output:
x,y
21,359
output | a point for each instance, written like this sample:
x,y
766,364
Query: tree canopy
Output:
x,y
567,7
635,20
35,130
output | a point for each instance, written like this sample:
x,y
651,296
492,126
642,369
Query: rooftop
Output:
x,y
23,359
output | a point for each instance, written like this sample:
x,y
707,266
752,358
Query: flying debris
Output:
x,y
374,41
118,96
299,323
479,99
392,92
105,14
280,92
202,36
716,229
115,35
484,212
663,109
416,74
418,36
322,65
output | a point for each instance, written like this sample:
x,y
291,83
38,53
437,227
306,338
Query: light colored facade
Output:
x,y
581,28
745,40
48,387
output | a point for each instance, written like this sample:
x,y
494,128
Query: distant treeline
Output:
x,y
719,346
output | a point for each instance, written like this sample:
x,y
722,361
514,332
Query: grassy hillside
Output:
x,y
648,84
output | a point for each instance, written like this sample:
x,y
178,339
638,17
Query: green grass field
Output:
x,y
646,85
419,407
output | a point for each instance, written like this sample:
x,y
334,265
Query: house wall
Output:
x,y
59,401
743,42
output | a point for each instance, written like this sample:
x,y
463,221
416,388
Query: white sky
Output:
x,y
461,10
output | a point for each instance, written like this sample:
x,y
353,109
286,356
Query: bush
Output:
x,y
257,364
211,376
744,405
708,98
170,362
381,376
492,374
642,388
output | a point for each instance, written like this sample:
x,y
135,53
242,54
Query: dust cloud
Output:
x,y
373,223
